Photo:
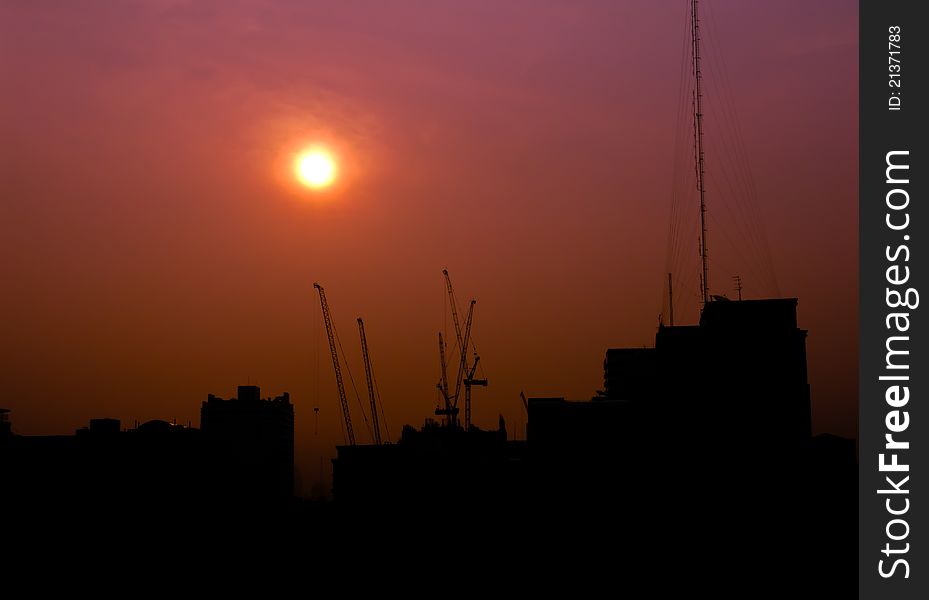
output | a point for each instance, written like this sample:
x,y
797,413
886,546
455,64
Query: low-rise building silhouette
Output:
x,y
252,441
157,464
243,453
428,467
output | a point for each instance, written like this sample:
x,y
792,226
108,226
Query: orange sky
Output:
x,y
155,247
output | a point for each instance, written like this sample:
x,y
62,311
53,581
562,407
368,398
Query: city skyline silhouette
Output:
x,y
160,248
153,253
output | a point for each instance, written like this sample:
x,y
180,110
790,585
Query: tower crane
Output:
x,y
370,378
465,374
335,363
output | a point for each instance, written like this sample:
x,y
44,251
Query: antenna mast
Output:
x,y
698,126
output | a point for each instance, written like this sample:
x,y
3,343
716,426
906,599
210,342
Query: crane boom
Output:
x,y
370,378
335,364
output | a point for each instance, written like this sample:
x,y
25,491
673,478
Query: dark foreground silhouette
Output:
x,y
694,471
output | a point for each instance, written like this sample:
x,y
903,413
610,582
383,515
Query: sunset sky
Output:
x,y
156,246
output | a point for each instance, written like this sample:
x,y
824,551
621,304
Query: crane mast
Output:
x,y
335,364
443,382
451,400
447,411
468,382
370,378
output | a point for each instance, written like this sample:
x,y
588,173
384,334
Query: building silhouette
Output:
x,y
242,454
702,440
706,438
629,373
156,464
251,440
731,389
429,467
739,376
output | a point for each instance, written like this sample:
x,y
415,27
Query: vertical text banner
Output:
x,y
893,541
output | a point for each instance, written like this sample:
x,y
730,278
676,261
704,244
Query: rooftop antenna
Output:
x,y
698,134
738,285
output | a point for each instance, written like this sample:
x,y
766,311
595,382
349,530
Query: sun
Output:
x,y
315,169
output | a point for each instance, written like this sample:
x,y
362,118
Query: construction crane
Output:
x,y
465,374
335,364
370,377
462,344
448,410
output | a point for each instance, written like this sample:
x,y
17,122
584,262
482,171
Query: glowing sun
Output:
x,y
315,169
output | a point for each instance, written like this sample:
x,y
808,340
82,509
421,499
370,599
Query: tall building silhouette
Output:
x,y
741,372
733,387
